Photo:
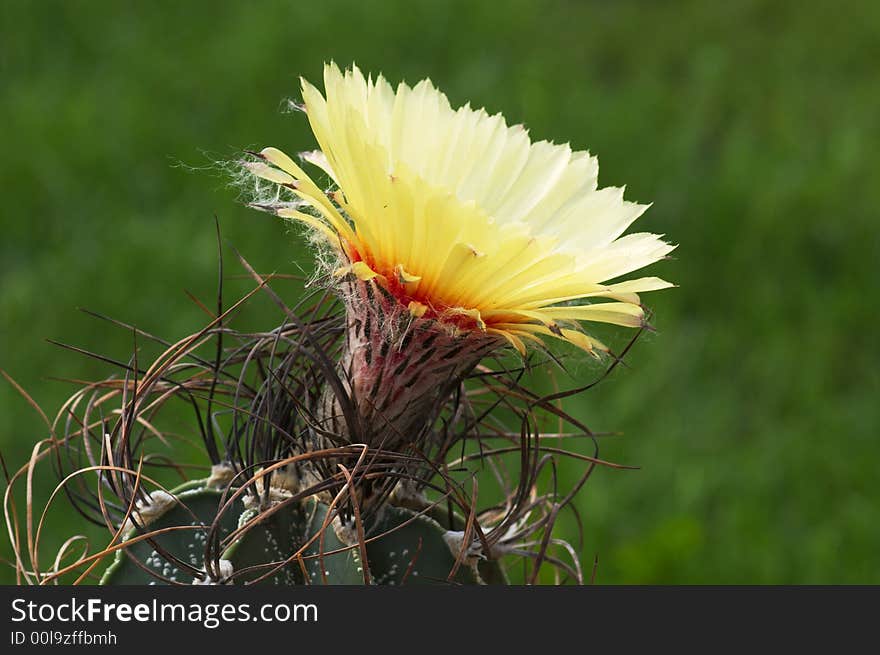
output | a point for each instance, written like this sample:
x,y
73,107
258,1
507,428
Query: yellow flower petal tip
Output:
x,y
403,277
463,218
364,272
417,309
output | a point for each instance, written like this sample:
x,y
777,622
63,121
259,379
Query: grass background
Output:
x,y
751,125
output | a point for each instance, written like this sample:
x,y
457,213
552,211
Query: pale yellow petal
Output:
x,y
464,215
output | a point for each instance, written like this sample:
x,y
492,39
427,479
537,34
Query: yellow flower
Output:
x,y
462,218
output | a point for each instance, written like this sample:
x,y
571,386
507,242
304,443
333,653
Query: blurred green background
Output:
x,y
752,127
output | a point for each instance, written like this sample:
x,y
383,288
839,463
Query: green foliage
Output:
x,y
751,126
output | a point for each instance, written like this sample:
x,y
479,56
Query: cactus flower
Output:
x,y
455,235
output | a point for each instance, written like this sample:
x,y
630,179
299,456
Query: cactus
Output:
x,y
381,434
290,546
261,549
419,552
285,547
290,503
178,554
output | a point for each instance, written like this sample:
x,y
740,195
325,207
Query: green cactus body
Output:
x,y
194,510
293,543
413,551
257,556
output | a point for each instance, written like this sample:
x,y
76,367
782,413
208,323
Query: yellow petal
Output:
x,y
473,217
417,309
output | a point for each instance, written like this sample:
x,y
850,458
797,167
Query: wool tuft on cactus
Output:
x,y
383,432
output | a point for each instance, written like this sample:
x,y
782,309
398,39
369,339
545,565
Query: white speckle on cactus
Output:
x,y
455,539
345,532
282,485
221,475
225,570
145,512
